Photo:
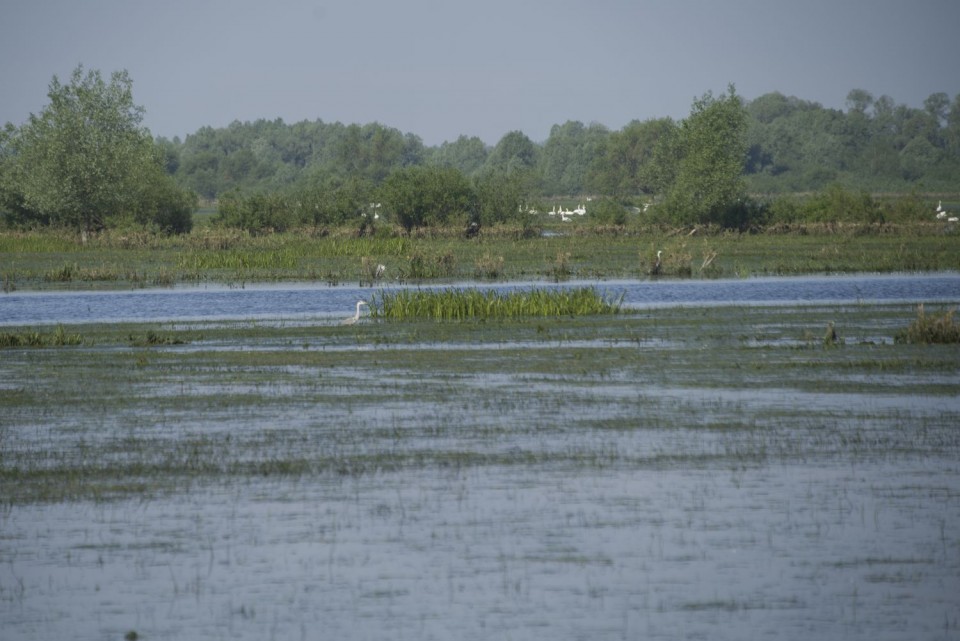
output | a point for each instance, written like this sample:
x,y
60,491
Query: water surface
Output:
x,y
299,301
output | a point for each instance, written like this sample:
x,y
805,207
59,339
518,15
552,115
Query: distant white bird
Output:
x,y
953,219
553,212
657,265
379,271
941,215
565,217
939,205
353,319
581,210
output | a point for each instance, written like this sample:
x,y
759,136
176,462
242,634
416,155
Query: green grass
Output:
x,y
60,260
28,338
466,304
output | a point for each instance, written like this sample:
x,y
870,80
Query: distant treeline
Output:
x,y
85,162
792,145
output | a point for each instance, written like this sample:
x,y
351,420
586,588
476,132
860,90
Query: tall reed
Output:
x,y
463,304
931,329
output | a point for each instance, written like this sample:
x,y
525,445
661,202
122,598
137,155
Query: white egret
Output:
x,y
353,319
378,274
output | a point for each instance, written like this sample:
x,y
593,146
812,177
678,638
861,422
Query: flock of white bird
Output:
x,y
942,214
566,215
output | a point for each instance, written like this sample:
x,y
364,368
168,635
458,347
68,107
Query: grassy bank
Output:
x,y
60,260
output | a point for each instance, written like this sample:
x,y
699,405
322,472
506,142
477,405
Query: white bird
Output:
x,y
939,205
953,219
353,319
564,217
941,215
553,212
379,271
657,266
581,210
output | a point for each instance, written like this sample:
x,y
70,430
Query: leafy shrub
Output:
x,y
837,203
255,213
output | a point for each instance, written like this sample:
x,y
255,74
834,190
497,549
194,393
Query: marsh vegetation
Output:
x,y
58,260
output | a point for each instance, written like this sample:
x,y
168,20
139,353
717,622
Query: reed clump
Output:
x,y
930,329
464,304
59,338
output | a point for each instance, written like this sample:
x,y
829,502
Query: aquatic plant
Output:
x,y
488,266
462,304
58,338
931,329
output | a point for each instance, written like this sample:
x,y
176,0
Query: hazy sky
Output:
x,y
484,68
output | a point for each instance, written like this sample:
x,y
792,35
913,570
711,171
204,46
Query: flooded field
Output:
x,y
698,472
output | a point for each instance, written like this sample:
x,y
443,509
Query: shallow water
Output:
x,y
663,474
311,301
783,551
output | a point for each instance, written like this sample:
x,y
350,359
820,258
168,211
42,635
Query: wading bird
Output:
x,y
657,265
353,319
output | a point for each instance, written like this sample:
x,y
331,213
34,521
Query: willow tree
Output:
x,y
698,165
86,162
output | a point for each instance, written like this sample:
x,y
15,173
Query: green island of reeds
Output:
x,y
463,304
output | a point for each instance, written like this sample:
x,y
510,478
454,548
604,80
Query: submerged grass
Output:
x,y
463,304
141,409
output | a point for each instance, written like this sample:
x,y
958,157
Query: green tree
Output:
x,y
468,154
514,152
567,155
419,196
499,197
617,170
85,161
698,166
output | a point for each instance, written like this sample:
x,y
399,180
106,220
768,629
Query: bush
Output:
x,y
608,212
256,213
837,203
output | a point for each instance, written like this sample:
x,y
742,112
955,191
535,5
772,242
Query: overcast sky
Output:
x,y
439,69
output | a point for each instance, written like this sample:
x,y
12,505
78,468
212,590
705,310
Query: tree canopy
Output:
x,y
86,162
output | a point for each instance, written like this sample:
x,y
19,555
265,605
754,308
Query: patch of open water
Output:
x,y
299,302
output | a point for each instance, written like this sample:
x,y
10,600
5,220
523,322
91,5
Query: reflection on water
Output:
x,y
292,302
